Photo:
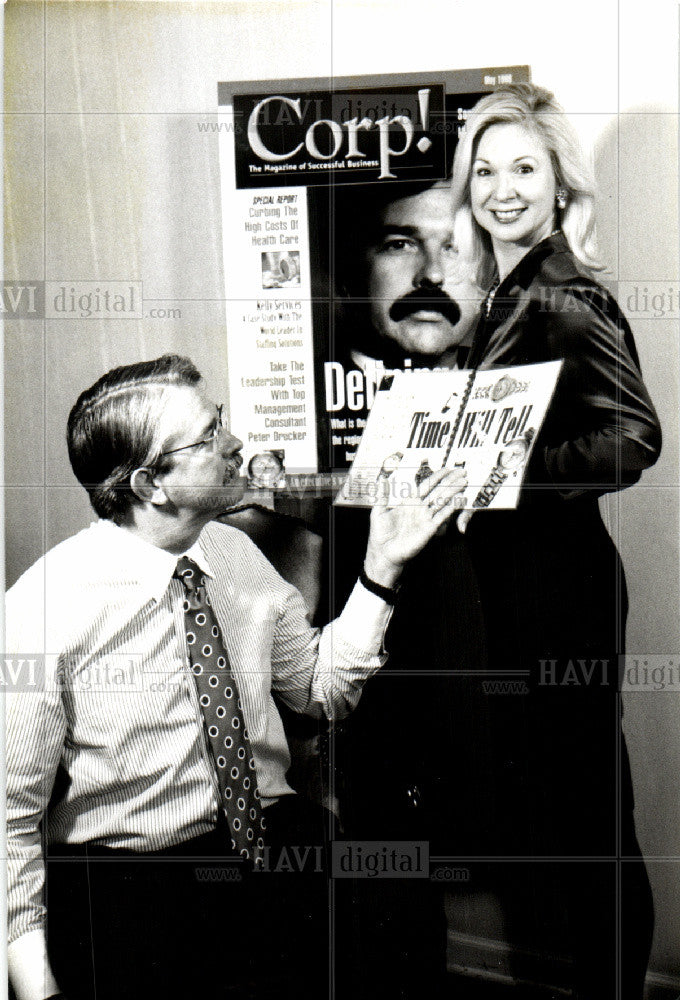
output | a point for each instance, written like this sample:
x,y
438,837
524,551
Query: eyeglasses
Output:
x,y
220,425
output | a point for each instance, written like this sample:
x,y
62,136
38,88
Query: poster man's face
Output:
x,y
421,292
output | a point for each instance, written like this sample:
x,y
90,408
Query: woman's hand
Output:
x,y
463,519
399,533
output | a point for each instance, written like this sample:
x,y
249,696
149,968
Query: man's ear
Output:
x,y
145,487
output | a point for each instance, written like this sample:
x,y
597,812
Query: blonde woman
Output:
x,y
551,582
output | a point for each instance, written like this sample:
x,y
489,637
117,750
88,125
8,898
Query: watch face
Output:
x,y
265,470
514,454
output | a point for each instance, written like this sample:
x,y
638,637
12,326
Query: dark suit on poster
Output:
x,y
537,594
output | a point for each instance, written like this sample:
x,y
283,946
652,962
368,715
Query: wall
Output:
x,y
108,177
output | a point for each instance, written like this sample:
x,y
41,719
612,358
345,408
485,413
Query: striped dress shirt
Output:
x,y
105,692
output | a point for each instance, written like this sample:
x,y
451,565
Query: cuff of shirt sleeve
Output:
x,y
29,967
364,620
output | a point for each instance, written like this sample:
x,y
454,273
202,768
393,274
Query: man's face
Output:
x,y
421,291
204,478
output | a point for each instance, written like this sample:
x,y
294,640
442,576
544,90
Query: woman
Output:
x,y
550,580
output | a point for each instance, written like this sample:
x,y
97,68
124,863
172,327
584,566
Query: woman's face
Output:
x,y
512,186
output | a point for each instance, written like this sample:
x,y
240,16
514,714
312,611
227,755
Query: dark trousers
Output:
x,y
391,935
576,885
192,921
390,940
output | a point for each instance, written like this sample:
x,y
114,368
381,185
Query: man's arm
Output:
x,y
35,727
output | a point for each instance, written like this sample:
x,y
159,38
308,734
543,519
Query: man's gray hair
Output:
x,y
115,427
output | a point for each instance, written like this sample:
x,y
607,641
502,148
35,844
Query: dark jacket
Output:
x,y
602,430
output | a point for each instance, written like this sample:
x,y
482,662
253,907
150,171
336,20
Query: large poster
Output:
x,y
308,170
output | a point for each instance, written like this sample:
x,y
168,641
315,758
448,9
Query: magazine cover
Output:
x,y
308,175
482,422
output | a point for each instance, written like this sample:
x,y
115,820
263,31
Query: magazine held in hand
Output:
x,y
484,422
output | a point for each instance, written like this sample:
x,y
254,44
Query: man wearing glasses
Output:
x,y
118,779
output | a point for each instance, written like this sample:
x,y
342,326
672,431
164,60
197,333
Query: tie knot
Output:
x,y
189,573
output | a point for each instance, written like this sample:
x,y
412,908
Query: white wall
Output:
x,y
116,181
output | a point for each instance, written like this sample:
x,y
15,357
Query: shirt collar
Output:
x,y
200,558
150,566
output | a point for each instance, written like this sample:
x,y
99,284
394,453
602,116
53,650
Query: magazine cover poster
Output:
x,y
320,185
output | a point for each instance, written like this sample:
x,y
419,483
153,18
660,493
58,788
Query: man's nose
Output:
x,y
430,272
229,444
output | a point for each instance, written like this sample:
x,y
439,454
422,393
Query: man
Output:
x,y
406,298
397,263
159,632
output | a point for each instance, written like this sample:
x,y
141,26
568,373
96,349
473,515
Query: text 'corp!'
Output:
x,y
349,131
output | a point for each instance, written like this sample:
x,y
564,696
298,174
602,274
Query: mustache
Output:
x,y
235,462
432,300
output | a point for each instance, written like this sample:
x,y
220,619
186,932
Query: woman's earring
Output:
x,y
561,198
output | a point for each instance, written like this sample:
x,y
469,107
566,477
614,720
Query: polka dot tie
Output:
x,y
221,706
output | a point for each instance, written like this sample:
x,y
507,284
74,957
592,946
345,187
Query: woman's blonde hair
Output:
x,y
536,108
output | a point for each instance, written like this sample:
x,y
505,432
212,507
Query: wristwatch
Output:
x,y
387,594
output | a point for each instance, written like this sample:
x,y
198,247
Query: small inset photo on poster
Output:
x,y
267,470
280,268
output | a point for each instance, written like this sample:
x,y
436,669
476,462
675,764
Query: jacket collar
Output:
x,y
525,271
521,276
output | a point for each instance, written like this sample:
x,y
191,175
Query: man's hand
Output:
x,y
399,533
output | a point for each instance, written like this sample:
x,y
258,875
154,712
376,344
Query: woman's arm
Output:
x,y
602,430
